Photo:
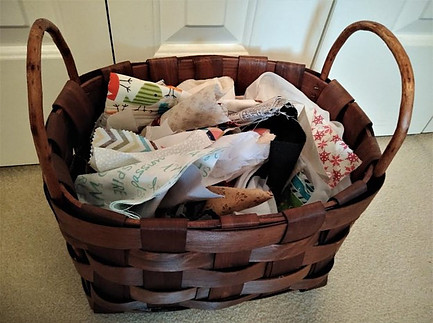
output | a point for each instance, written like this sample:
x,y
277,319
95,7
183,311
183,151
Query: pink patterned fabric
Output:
x,y
337,158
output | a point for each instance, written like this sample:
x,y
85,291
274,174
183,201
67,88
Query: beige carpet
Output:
x,y
383,272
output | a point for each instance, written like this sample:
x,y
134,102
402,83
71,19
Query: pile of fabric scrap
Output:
x,y
196,150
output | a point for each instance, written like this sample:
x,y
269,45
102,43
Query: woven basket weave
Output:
x,y
165,264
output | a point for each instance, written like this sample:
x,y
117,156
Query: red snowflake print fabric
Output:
x,y
337,158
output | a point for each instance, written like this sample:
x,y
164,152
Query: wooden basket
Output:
x,y
165,264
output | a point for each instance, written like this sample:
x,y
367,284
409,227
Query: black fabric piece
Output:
x,y
284,151
282,159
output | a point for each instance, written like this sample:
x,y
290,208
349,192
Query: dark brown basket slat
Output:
x,y
74,101
164,69
208,67
359,121
333,98
124,68
250,68
292,72
61,132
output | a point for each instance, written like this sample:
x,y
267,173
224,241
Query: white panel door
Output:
x,y
83,25
414,27
135,27
280,29
366,68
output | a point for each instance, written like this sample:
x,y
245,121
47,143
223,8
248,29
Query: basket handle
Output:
x,y
407,81
34,91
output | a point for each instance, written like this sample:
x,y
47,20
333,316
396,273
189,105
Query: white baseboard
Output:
x,y
19,52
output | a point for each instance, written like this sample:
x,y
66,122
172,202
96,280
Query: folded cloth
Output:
x,y
146,99
235,199
119,189
199,110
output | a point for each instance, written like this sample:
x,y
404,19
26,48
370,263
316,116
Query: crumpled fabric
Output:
x,y
270,85
322,191
309,163
284,149
201,107
187,188
137,174
121,188
158,110
241,152
199,110
298,192
152,132
337,159
119,155
258,112
224,83
117,148
236,105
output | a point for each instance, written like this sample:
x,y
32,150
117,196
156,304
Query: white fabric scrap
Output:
x,y
156,132
120,188
269,85
242,151
225,83
104,159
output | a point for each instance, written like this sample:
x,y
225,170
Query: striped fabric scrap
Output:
x,y
121,140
